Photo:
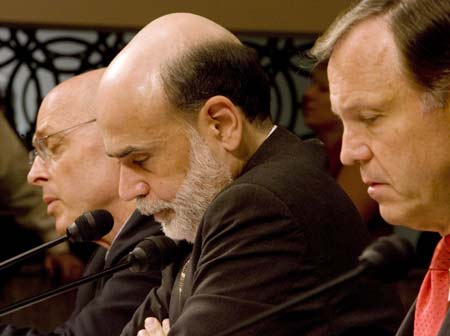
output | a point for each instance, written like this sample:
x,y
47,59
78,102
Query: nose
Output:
x,y
131,185
38,173
354,149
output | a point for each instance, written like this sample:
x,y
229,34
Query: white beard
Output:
x,y
205,179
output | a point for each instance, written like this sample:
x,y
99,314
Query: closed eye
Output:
x,y
369,118
140,159
139,162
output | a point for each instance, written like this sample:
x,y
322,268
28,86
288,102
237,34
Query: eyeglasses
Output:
x,y
41,147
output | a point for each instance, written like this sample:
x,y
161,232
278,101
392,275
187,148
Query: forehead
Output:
x,y
133,114
54,115
365,66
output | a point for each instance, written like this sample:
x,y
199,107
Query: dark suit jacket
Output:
x,y
281,228
407,326
105,306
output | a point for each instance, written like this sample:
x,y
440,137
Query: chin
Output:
x,y
61,228
393,217
62,223
175,232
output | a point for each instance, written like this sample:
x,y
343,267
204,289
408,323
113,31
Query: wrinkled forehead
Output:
x,y
55,115
364,63
132,114
372,40
69,103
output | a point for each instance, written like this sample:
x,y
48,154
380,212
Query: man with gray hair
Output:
x,y
389,74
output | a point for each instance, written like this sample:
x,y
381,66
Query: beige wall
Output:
x,y
278,16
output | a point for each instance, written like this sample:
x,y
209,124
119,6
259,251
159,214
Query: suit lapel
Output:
x,y
407,326
88,291
445,328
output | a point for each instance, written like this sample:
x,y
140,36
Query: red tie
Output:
x,y
432,301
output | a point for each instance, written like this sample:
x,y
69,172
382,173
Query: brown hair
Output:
x,y
421,30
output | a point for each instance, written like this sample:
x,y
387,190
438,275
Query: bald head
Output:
x,y
137,68
71,101
183,60
183,30
164,39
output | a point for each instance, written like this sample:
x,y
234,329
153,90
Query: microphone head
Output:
x,y
388,258
153,253
90,226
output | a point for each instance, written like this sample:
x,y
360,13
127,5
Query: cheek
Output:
x,y
408,151
62,177
402,158
100,180
80,183
166,188
169,171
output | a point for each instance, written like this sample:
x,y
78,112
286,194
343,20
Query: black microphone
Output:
x,y
92,225
155,252
387,259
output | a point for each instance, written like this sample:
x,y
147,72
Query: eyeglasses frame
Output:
x,y
39,143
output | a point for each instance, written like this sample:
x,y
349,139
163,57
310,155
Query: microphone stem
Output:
x,y
296,300
29,253
54,292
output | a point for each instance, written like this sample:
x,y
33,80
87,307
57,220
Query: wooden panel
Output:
x,y
280,16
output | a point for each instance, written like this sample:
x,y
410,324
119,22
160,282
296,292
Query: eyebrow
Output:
x,y
36,138
38,134
125,152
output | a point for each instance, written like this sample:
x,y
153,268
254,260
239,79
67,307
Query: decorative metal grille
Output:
x,y
34,60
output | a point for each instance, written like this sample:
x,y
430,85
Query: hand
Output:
x,y
154,328
64,267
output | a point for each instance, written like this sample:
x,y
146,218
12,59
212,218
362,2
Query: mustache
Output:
x,y
149,208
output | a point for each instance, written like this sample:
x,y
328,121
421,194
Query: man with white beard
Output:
x,y
205,178
185,108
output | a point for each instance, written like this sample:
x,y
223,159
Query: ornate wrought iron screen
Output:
x,y
33,60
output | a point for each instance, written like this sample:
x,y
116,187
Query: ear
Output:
x,y
220,120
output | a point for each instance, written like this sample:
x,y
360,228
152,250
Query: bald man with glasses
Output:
x,y
75,175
